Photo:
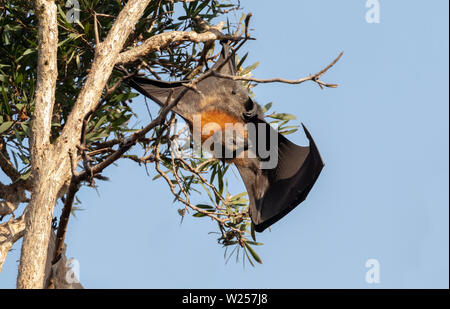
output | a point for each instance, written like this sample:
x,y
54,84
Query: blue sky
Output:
x,y
383,193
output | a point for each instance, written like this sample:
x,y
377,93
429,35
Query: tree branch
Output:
x,y
102,66
10,232
161,41
47,73
5,163
65,215
312,77
10,198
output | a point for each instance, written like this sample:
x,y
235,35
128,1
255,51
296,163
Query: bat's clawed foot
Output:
x,y
249,115
251,110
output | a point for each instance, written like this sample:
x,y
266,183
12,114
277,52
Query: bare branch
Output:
x,y
64,219
161,41
97,38
47,72
312,77
10,197
5,163
10,232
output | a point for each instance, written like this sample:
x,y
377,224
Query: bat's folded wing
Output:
x,y
156,90
273,193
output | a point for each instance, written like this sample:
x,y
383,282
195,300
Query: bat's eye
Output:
x,y
233,91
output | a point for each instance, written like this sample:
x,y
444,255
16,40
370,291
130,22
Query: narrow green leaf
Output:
x,y
198,215
26,129
5,126
26,174
203,206
253,253
288,131
267,107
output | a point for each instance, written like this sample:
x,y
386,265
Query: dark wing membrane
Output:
x,y
156,90
275,192
230,67
159,91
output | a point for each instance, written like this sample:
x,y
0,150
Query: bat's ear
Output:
x,y
229,68
156,90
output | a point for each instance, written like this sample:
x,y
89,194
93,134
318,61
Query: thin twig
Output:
x,y
312,77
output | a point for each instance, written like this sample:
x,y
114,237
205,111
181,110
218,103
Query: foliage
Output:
x,y
110,123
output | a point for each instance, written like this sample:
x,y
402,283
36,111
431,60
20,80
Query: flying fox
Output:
x,y
273,192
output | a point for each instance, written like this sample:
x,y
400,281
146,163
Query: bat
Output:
x,y
273,192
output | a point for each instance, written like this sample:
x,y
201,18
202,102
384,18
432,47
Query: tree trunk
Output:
x,y
51,166
45,186
37,234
